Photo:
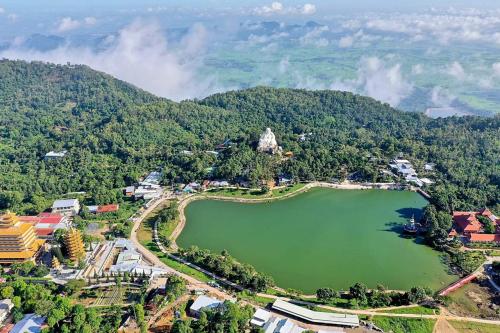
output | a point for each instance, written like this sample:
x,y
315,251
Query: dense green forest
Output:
x,y
115,133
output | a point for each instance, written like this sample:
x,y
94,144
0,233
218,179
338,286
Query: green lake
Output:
x,y
321,238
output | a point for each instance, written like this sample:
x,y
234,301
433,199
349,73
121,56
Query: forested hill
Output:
x,y
116,133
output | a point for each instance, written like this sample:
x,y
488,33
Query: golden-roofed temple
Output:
x,y
74,244
18,240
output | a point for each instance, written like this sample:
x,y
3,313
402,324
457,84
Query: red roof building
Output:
x,y
495,238
46,223
466,222
108,208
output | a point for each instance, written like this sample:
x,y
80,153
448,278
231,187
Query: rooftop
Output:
x,y
31,323
484,238
314,316
65,203
203,302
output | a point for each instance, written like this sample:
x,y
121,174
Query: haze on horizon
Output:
x,y
415,56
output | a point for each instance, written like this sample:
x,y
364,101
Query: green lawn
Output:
x,y
414,310
404,325
175,264
471,327
262,301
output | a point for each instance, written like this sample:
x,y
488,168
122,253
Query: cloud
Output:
x,y
456,70
496,68
313,37
284,64
346,41
12,17
277,8
140,54
417,69
67,23
377,80
308,9
2,10
441,97
444,26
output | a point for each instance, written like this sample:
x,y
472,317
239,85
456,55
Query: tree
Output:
x,y
326,294
181,326
74,286
417,295
7,292
488,226
359,292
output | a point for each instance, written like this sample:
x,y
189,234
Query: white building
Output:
x,y
204,302
315,317
260,318
406,170
55,154
31,323
68,207
277,325
152,180
6,306
130,260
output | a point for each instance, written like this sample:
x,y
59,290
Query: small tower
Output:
x,y
74,244
55,263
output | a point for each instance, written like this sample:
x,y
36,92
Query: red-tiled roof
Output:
x,y
467,222
452,233
44,231
108,208
7,328
484,237
43,218
29,219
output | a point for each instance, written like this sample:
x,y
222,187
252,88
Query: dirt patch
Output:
x,y
443,326
475,300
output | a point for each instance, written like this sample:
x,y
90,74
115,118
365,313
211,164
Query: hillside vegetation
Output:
x,y
115,133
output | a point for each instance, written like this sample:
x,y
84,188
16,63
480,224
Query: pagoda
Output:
x,y
55,263
74,244
18,240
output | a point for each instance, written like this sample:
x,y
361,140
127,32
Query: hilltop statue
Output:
x,y
267,143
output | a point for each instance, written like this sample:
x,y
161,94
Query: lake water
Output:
x,y
322,238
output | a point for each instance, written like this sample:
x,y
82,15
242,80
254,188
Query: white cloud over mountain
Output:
x,y
375,78
140,54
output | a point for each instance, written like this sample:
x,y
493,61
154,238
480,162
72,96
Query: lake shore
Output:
x,y
343,186
321,224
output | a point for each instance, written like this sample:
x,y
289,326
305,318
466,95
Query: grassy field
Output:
x,y
414,310
404,325
148,243
470,327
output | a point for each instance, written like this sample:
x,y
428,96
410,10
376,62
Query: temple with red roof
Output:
x,y
469,225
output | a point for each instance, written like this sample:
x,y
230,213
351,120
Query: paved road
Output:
x,y
155,261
